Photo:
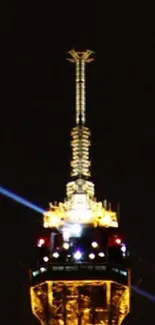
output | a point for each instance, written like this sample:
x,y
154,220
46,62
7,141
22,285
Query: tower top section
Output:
x,y
80,205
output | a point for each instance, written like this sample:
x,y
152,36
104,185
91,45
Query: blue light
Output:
x,y
143,293
123,248
20,200
77,255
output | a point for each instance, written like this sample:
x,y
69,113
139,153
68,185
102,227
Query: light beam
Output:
x,y
143,293
20,200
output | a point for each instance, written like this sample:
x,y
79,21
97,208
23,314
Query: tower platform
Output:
x,y
81,294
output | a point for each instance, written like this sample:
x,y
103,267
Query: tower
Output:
x,y
81,274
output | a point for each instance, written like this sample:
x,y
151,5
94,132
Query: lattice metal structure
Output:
x,y
81,275
97,297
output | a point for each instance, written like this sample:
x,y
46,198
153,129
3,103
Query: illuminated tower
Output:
x,y
81,276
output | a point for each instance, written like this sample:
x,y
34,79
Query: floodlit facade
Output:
x,y
81,274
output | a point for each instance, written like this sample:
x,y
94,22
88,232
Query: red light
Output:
x,y
118,241
114,240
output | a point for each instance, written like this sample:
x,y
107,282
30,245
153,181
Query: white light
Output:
x,y
77,255
43,269
94,244
101,254
76,230
123,248
65,245
46,258
35,273
71,230
91,256
123,272
56,254
66,233
41,242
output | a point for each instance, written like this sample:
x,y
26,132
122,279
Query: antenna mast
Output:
x,y
80,134
80,59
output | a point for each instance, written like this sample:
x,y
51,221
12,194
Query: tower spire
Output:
x,y
80,205
80,59
80,134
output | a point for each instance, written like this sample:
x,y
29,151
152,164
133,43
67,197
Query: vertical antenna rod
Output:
x,y
80,134
80,59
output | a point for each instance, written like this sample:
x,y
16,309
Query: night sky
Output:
x,y
37,114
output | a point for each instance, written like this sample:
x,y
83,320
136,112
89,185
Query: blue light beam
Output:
x,y
20,200
143,293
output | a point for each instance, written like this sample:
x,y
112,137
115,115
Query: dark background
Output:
x,y
37,114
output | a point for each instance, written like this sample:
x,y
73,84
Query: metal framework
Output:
x,y
80,204
80,163
96,302
60,296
